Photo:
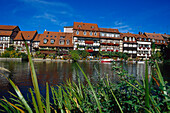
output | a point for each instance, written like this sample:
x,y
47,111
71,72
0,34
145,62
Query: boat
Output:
x,y
106,60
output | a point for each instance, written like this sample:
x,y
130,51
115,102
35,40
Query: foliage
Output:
x,y
85,54
11,48
75,55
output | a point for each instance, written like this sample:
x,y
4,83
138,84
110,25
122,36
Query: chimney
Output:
x,y
164,33
140,33
59,30
153,32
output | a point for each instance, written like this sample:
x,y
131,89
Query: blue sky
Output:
x,y
126,15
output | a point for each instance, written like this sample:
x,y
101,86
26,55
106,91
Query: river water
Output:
x,y
56,73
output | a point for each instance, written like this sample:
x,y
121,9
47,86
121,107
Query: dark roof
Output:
x,y
28,35
109,30
85,26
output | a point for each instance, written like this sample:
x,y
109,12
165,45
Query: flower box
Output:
x,y
116,44
143,47
89,42
103,43
103,50
140,47
148,47
90,50
110,44
108,49
117,50
111,50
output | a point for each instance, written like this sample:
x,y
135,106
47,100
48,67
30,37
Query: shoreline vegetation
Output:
x,y
150,95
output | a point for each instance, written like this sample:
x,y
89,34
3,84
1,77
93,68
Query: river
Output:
x,y
56,73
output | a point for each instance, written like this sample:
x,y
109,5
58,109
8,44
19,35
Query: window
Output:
x,y
95,33
161,41
84,32
102,34
157,41
55,36
47,36
62,37
117,35
52,41
130,39
107,34
164,41
45,41
79,25
133,38
61,42
77,32
125,38
51,36
92,27
144,39
112,35
149,39
140,38
91,33
68,42
153,40
47,32
1,38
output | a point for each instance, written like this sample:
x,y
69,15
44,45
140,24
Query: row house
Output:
x,y
7,34
86,36
52,42
29,36
36,42
166,37
143,46
159,41
110,40
129,44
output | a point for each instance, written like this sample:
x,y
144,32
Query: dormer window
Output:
x,y
149,39
51,36
47,36
164,41
91,33
140,38
79,26
45,41
47,32
52,41
144,39
84,32
95,33
125,38
62,36
92,27
77,32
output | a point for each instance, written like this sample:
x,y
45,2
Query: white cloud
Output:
x,y
118,23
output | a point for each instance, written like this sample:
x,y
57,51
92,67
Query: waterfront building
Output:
x,y
36,42
129,44
143,46
166,38
29,36
86,36
110,40
55,42
157,39
7,34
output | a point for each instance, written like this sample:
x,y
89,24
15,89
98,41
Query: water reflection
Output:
x,y
58,72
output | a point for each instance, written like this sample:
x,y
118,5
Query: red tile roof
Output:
x,y
109,30
7,27
154,36
56,36
28,35
38,37
85,26
128,35
5,33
